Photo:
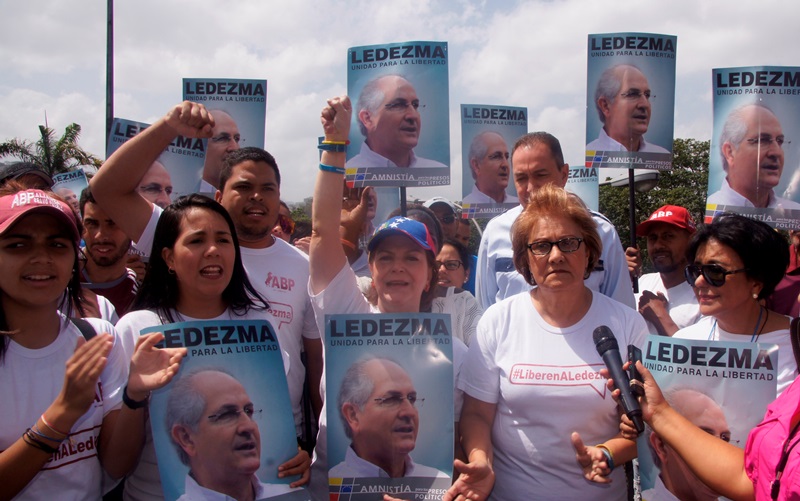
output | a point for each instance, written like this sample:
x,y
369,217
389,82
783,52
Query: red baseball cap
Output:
x,y
670,214
22,203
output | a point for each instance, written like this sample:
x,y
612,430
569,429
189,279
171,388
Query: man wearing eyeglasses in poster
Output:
x,y
622,98
225,138
212,423
751,150
389,119
156,185
378,405
675,481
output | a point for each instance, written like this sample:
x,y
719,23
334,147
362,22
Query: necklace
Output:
x,y
756,331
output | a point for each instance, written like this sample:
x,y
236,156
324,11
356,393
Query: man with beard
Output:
x,y
666,300
250,191
377,404
219,439
751,149
105,270
622,98
675,481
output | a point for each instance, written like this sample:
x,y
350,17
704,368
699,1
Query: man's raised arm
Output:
x,y
114,185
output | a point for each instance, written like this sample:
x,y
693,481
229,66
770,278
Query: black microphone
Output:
x,y
607,347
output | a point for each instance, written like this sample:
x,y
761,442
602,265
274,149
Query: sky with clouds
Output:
x,y
516,53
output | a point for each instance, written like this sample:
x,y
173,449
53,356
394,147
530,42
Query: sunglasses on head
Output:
x,y
286,223
714,274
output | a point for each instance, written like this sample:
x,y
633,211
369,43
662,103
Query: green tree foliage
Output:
x,y
685,185
52,155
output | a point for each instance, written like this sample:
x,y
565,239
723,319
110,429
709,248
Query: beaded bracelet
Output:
x,y
331,168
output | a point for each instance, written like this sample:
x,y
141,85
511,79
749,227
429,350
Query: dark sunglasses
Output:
x,y
286,223
714,274
452,264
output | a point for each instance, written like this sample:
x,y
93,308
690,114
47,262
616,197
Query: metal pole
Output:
x,y
632,214
109,68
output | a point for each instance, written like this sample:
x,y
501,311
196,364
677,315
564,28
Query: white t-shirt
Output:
x,y
344,296
708,329
497,278
683,307
30,380
280,274
546,384
144,482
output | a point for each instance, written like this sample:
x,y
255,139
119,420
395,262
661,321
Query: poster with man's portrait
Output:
x,y
400,131
390,405
226,416
488,134
630,100
754,166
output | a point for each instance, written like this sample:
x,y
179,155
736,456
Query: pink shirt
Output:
x,y
765,446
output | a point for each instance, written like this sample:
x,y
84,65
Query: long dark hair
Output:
x,y
71,302
160,289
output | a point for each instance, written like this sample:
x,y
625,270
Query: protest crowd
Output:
x,y
79,282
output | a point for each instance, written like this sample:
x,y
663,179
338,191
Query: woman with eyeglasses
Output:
x,y
453,261
735,263
195,273
533,391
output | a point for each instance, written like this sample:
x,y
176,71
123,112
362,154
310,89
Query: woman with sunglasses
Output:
x,y
525,420
285,226
735,263
195,273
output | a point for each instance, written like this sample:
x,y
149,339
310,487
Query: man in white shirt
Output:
x,y
225,138
490,165
389,119
377,405
622,98
751,149
538,160
666,300
220,441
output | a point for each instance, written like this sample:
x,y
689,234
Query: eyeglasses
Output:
x,y
714,274
155,189
566,245
636,94
399,105
230,414
765,141
450,264
447,219
395,400
225,138
286,223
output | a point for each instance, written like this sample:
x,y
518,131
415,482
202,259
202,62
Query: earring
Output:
x,y
170,271
755,296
